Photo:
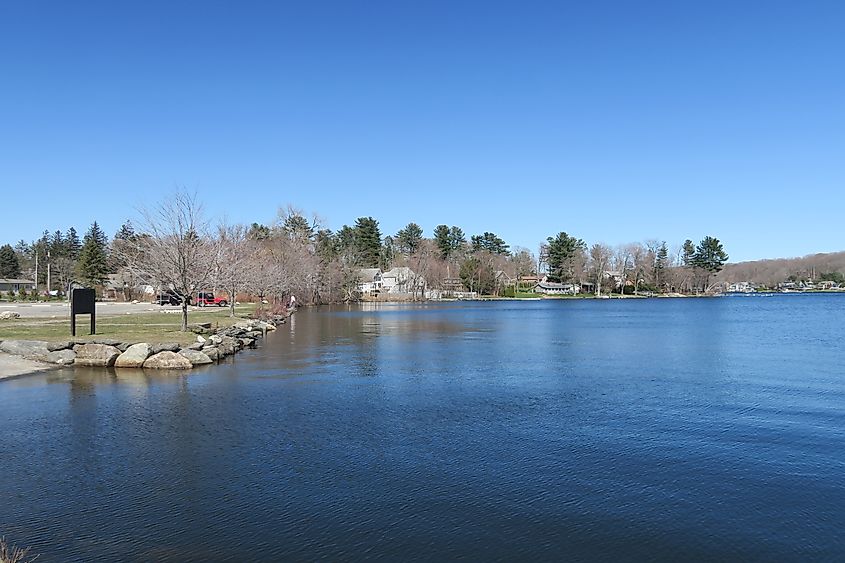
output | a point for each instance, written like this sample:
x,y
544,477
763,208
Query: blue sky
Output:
x,y
613,121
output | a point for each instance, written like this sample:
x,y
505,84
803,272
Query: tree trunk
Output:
x,y
185,315
232,302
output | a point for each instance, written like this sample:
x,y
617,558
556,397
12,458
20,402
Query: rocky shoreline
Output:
x,y
210,347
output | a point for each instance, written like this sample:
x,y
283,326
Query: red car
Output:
x,y
206,298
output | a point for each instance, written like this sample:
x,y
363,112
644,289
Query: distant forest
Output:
x,y
770,272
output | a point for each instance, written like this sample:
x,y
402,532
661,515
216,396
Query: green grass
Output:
x,y
143,327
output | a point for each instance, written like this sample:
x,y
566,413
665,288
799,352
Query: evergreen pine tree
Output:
x,y
9,265
563,249
93,259
72,244
57,245
489,242
409,239
368,242
441,240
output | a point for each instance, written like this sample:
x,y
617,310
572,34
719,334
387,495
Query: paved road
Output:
x,y
59,310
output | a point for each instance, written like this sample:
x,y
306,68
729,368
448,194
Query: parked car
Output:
x,y
207,299
170,297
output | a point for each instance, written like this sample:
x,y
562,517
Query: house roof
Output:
x,y
402,271
368,274
554,285
16,280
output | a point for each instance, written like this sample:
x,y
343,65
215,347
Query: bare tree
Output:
x,y
600,255
175,250
233,258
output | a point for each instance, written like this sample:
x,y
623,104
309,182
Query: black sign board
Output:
x,y
81,303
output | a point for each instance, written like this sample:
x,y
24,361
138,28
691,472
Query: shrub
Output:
x,y
270,312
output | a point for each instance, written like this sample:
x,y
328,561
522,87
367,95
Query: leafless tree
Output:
x,y
233,260
174,250
600,255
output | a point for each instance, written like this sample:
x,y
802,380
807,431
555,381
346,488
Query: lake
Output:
x,y
662,429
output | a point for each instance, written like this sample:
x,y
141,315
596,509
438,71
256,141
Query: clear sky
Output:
x,y
613,121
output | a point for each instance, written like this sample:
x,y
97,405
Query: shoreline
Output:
x,y
12,367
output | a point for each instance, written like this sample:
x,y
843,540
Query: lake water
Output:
x,y
617,429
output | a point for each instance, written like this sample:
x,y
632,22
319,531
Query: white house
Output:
x,y
552,288
402,280
370,281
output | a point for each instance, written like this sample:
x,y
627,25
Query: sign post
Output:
x,y
82,303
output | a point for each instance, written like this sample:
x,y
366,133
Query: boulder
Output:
x,y
107,341
228,346
215,339
254,334
247,342
134,356
212,352
9,315
56,346
124,346
200,339
195,346
165,347
34,349
62,357
196,357
167,360
97,355
243,325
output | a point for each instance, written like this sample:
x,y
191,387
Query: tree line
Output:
x,y
175,246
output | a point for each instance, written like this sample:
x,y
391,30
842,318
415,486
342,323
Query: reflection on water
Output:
x,y
663,429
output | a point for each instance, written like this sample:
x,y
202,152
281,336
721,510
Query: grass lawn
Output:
x,y
141,327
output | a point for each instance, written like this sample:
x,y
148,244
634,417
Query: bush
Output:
x,y
270,312
23,294
10,295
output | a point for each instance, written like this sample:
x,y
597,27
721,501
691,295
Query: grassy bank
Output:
x,y
160,326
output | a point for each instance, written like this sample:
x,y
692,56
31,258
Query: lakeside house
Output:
x,y
402,280
554,288
370,281
16,284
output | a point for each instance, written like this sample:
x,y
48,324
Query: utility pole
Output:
x,y
36,274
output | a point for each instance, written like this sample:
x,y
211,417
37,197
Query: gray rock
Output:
x,y
254,334
107,341
34,349
200,339
228,346
167,360
165,347
195,346
62,357
247,342
200,325
244,325
215,339
196,357
56,346
123,346
97,355
212,353
134,356
9,315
